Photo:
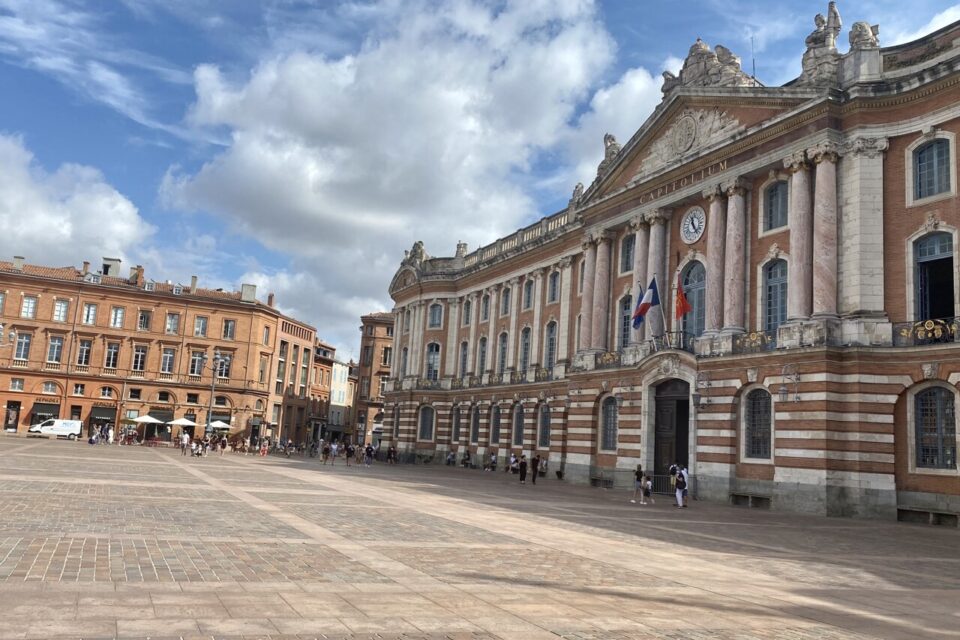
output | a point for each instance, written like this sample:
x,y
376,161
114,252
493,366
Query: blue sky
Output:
x,y
302,145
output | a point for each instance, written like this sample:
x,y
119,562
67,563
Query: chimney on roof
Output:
x,y
270,299
86,267
18,262
248,292
193,284
140,278
111,267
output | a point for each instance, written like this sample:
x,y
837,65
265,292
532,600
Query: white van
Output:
x,y
54,427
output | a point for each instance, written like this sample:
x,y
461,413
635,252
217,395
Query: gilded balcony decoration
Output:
x,y
608,360
925,332
754,341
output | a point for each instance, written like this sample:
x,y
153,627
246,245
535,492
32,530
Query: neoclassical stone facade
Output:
x,y
813,228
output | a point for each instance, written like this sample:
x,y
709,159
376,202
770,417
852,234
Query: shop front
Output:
x,y
44,411
11,416
102,416
162,431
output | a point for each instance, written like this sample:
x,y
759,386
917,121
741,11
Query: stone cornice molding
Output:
x,y
864,146
826,151
796,161
735,187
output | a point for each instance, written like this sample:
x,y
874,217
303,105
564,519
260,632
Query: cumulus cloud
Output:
x,y
430,130
940,20
63,217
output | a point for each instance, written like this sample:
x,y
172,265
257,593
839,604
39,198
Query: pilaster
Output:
x,y
734,257
641,249
586,298
799,294
563,328
657,266
716,238
453,318
601,293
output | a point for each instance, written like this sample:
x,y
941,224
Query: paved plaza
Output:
x,y
136,542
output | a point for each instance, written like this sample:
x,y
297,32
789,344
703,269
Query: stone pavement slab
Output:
x,y
135,543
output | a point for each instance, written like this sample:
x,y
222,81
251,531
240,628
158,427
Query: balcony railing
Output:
x,y
924,332
81,368
673,340
544,375
427,383
609,360
755,342
518,377
51,366
19,364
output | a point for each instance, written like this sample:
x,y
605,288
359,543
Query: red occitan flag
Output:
x,y
683,306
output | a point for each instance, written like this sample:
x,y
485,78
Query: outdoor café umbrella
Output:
x,y
219,424
147,419
182,422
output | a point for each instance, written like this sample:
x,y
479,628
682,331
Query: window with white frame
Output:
x,y
524,349
435,316
475,425
627,246
774,296
196,363
427,416
78,389
481,356
775,205
505,301
89,313
462,369
83,353
28,307
60,308
757,437
485,307
229,329
502,353
143,320
553,287
550,346
172,324
626,320
116,317
50,387
528,294
139,358
167,360
112,356
106,392
200,326
55,349
433,361
931,169
22,350
694,278
935,429
16,384
933,277
467,308
3,299
608,432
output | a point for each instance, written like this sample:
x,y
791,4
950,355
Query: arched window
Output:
x,y
436,316
518,425
433,361
495,425
775,199
455,426
694,288
467,308
524,349
933,279
259,406
505,301
396,421
774,295
550,346
427,415
757,428
485,307
931,169
543,437
403,363
475,426
626,320
502,353
553,287
528,294
936,429
463,359
481,356
608,433
626,252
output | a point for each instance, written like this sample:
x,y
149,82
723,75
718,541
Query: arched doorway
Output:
x,y
671,431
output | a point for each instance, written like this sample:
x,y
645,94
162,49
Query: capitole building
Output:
x,y
813,228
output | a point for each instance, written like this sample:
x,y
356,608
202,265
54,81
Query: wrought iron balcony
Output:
x,y
609,360
544,375
924,332
755,342
426,383
518,377
673,340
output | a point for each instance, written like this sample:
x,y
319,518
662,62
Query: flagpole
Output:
x,y
662,313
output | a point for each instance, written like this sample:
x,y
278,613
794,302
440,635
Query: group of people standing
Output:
x,y
679,483
201,448
364,455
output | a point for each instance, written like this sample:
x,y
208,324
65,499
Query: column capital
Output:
x,y
514,281
826,151
711,193
599,237
796,161
736,187
658,216
863,146
564,262
638,221
453,301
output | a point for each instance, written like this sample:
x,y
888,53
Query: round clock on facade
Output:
x,y
692,225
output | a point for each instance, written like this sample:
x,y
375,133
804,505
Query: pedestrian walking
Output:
x,y
350,453
647,494
368,458
184,443
514,466
637,484
680,487
523,469
333,453
536,467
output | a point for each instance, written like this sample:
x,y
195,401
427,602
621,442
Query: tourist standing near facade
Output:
x,y
536,467
638,487
523,469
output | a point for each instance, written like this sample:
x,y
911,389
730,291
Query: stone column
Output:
x,y
563,322
413,359
515,296
734,257
641,248
799,297
472,344
492,328
395,356
601,293
586,298
656,268
716,237
537,308
453,323
825,275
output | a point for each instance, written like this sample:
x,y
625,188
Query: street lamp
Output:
x,y
789,375
218,359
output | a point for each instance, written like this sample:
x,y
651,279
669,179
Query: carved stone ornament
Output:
x,y
821,61
864,36
669,364
752,374
611,148
603,385
795,161
774,252
692,130
706,68
932,223
867,147
826,151
577,196
930,370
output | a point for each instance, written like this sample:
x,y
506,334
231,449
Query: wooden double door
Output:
x,y
671,431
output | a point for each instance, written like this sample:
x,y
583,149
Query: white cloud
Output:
x,y
431,130
63,217
940,20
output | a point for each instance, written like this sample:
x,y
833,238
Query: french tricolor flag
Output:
x,y
650,299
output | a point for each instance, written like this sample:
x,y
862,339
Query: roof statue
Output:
x,y
416,255
706,68
864,36
821,61
576,197
610,150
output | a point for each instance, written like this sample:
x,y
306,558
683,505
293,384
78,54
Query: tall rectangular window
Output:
x,y
167,359
3,299
553,287
28,307
266,336
55,349
262,375
83,353
112,358
223,368
367,357
139,358
385,356
116,317
172,325
200,326
196,363
22,351
143,320
89,313
60,310
229,329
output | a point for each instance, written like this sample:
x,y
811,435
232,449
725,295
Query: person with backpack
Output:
x,y
680,487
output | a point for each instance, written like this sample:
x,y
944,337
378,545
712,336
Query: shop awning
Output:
x,y
46,408
103,413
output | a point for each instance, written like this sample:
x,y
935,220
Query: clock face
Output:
x,y
692,226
